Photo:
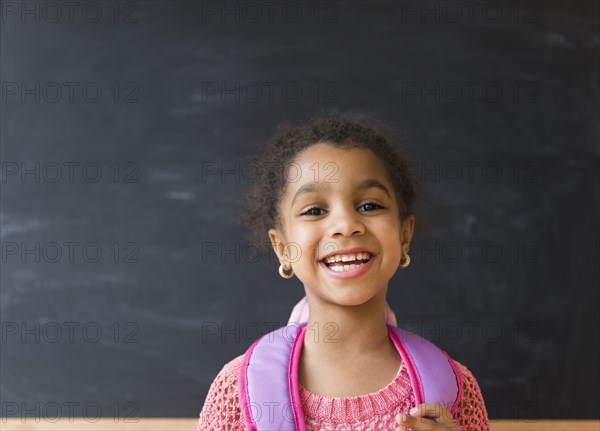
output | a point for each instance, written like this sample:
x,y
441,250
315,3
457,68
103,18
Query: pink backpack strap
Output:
x,y
268,381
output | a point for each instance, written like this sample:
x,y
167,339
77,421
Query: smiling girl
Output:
x,y
343,203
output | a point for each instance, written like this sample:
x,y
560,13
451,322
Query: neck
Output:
x,y
337,332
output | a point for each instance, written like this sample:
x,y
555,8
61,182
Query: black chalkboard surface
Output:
x,y
127,281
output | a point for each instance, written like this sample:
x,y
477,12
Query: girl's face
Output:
x,y
339,199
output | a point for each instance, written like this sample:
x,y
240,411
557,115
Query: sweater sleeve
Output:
x,y
470,415
221,410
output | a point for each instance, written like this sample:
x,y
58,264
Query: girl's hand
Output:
x,y
441,419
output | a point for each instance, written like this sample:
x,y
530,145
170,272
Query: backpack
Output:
x,y
268,379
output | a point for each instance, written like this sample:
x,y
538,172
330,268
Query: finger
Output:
x,y
431,410
417,424
414,423
404,422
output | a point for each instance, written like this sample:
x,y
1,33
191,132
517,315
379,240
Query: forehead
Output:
x,y
323,167
344,161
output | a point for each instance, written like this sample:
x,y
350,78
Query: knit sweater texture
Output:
x,y
374,411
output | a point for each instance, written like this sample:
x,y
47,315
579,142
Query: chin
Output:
x,y
352,299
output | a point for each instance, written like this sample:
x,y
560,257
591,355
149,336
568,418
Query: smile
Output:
x,y
344,269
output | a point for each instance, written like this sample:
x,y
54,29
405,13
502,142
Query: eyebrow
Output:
x,y
322,187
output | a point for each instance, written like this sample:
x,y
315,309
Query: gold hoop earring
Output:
x,y
406,262
283,274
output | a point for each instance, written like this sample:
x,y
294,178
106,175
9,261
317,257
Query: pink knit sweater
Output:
x,y
374,411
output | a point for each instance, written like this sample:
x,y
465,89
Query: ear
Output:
x,y
406,232
278,244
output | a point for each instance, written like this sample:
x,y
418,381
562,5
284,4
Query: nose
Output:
x,y
346,222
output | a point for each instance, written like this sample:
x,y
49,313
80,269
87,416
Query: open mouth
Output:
x,y
339,265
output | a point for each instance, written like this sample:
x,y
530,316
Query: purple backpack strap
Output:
x,y
268,381
433,375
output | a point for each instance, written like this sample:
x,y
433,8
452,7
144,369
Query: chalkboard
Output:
x,y
127,280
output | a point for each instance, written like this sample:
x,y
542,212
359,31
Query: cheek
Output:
x,y
306,241
393,250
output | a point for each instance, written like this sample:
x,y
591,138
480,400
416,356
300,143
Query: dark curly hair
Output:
x,y
348,129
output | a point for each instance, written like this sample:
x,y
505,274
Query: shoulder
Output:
x,y
231,369
471,413
469,382
221,408
227,378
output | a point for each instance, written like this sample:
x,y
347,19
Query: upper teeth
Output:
x,y
348,257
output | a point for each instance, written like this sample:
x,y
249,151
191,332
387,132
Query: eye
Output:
x,y
311,209
310,212
372,204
